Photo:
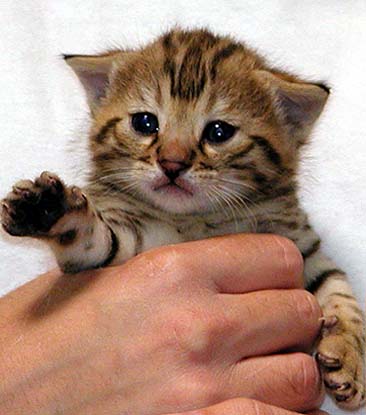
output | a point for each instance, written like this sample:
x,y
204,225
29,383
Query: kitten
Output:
x,y
194,136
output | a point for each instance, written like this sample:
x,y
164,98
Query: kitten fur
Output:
x,y
175,185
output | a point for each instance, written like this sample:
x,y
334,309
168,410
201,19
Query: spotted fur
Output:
x,y
247,184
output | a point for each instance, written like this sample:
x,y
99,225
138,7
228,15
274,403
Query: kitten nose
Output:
x,y
172,168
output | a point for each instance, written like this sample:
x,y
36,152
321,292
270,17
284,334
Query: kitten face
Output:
x,y
195,123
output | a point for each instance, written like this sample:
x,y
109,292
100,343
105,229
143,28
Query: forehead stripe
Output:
x,y
220,56
191,77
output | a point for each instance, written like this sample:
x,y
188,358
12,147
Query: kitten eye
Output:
x,y
145,123
217,132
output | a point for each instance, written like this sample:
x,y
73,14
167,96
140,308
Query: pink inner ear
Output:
x,y
294,112
95,83
298,109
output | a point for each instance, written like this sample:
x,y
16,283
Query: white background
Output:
x,y
43,114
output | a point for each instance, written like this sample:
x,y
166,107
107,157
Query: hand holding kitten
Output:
x,y
164,332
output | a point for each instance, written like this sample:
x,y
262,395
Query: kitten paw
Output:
x,y
341,360
33,208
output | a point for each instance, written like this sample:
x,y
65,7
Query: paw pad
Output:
x,y
32,208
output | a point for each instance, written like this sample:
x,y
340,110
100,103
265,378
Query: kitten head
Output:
x,y
194,122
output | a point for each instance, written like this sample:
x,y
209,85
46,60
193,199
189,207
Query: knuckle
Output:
x,y
196,333
291,257
306,380
172,261
167,267
307,307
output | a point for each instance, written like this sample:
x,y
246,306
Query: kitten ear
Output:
x,y
94,74
299,103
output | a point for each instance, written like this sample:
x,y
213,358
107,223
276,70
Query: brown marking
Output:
x,y
220,56
355,309
359,343
356,321
242,153
343,295
113,250
71,267
312,249
318,280
107,127
68,237
167,42
192,156
170,70
270,152
192,75
153,142
145,159
205,166
287,224
259,178
135,225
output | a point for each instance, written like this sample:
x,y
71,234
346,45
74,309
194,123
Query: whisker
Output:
x,y
117,174
240,202
228,202
236,202
236,182
217,198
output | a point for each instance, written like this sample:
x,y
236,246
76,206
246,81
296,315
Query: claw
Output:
x,y
343,398
5,207
329,321
328,361
24,193
337,386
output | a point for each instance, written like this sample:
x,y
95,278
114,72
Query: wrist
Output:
x,y
49,364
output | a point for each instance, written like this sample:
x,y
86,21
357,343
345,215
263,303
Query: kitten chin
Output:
x,y
176,198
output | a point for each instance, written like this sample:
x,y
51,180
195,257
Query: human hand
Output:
x,y
173,329
242,406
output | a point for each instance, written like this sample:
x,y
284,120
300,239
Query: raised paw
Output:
x,y
32,208
341,358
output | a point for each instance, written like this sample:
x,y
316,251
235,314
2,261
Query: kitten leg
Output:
x,y
341,348
63,217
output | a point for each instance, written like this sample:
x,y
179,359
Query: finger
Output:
x,y
318,412
242,406
291,381
269,321
239,263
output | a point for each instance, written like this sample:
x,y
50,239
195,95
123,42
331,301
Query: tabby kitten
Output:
x,y
193,136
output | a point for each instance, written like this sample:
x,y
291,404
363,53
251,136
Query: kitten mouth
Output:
x,y
177,186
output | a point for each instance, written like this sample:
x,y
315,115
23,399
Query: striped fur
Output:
x,y
247,184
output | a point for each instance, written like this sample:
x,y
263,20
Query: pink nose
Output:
x,y
172,169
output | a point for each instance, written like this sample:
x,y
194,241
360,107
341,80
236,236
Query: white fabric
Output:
x,y
42,108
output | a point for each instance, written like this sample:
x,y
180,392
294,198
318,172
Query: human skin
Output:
x,y
242,406
174,329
